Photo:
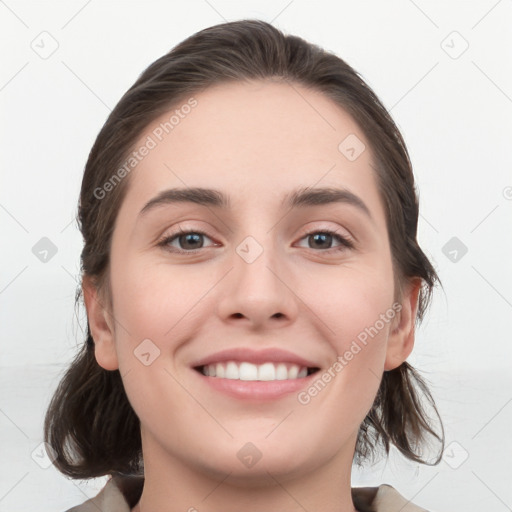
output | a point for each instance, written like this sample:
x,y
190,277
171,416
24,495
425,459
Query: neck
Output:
x,y
172,485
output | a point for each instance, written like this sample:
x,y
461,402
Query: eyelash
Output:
x,y
345,242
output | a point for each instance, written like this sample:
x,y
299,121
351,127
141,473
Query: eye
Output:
x,y
325,237
192,241
188,241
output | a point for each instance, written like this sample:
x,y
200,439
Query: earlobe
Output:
x,y
401,336
101,326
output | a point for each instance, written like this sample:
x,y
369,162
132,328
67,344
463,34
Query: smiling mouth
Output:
x,y
233,370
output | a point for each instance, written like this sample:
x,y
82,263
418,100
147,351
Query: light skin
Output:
x,y
255,142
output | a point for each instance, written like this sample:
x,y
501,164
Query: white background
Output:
x,y
455,113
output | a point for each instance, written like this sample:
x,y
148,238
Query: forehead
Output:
x,y
254,138
264,116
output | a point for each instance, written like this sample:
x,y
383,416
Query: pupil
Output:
x,y
323,237
190,237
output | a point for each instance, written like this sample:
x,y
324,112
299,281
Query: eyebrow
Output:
x,y
300,197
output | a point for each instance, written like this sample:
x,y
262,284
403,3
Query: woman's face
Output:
x,y
264,275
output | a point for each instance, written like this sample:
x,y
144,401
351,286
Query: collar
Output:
x,y
122,492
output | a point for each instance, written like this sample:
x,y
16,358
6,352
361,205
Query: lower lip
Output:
x,y
257,389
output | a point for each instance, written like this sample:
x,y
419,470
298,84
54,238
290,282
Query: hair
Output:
x,y
90,425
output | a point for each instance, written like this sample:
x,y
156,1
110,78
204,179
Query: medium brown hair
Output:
x,y
90,424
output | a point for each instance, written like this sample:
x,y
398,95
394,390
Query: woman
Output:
x,y
250,369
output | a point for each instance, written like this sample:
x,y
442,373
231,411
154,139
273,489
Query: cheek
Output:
x,y
158,310
151,300
351,300
356,320
357,314
154,318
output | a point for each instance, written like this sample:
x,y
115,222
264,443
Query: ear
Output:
x,y
101,324
401,336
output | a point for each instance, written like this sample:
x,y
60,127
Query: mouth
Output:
x,y
245,371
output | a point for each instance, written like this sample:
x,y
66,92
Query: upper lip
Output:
x,y
241,354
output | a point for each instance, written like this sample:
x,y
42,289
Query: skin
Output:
x,y
255,142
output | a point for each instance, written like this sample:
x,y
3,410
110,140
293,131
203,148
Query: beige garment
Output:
x,y
121,493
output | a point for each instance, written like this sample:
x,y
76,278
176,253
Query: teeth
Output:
x,y
248,371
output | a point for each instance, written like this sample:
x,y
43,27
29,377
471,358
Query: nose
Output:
x,y
258,293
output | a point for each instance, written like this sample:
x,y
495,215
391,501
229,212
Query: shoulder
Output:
x,y
121,493
115,496
384,498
